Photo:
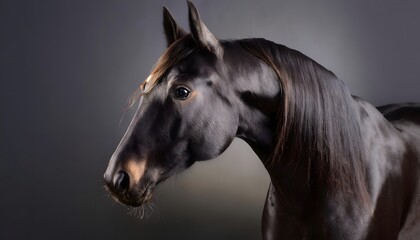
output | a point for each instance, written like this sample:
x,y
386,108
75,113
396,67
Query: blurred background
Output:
x,y
68,67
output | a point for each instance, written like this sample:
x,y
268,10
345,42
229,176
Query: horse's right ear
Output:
x,y
201,33
173,31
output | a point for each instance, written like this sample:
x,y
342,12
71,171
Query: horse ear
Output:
x,y
201,33
173,31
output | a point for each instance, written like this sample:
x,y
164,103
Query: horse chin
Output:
x,y
135,203
133,198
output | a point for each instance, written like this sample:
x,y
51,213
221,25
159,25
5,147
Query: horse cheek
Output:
x,y
223,132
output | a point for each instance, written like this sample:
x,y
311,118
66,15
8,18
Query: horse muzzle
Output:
x,y
130,184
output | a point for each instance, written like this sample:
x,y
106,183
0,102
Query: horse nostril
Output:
x,y
121,181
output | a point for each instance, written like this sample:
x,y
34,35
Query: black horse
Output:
x,y
339,168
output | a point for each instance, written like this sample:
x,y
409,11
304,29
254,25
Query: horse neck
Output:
x,y
257,94
258,97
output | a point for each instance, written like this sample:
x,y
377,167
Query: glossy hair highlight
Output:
x,y
316,123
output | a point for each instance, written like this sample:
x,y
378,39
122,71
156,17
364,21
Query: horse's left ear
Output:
x,y
201,33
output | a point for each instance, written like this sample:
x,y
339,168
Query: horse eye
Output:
x,y
182,93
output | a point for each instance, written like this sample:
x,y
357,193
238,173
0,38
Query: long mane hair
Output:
x,y
317,124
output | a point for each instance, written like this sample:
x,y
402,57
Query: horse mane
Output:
x,y
317,125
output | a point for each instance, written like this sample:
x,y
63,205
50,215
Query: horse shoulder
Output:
x,y
406,119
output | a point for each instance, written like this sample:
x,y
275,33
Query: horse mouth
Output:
x,y
133,198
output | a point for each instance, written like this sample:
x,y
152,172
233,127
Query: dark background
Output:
x,y
67,68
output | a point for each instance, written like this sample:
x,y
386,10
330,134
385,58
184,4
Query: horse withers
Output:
x,y
339,167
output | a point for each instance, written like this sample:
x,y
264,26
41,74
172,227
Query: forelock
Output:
x,y
175,53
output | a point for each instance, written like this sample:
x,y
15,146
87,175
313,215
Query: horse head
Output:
x,y
185,114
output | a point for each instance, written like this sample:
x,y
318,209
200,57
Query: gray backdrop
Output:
x,y
67,68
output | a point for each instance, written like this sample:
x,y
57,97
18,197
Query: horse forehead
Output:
x,y
199,62
191,74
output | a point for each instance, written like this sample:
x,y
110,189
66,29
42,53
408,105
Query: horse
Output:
x,y
340,168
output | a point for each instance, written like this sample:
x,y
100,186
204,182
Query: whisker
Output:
x,y
131,211
151,210
142,212
121,119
